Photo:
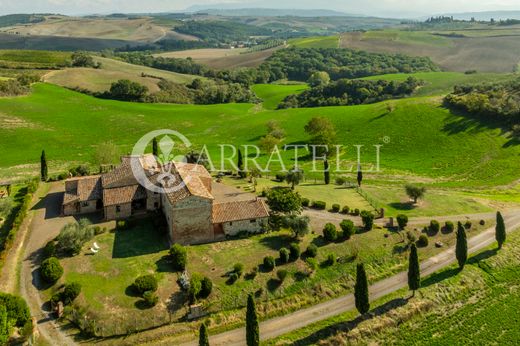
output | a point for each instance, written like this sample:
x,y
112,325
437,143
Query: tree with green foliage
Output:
x,y
70,292
415,192
179,256
361,290
368,220
73,236
294,177
500,230
326,172
359,176
461,249
323,135
155,147
51,270
402,221
414,270
299,225
126,90
252,328
4,325
18,312
318,78
203,335
330,233
83,59
43,167
240,165
106,153
284,201
348,228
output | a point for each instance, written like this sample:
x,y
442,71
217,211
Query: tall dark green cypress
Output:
x,y
203,335
414,270
155,147
43,167
461,249
240,165
361,290
359,176
500,230
252,328
326,172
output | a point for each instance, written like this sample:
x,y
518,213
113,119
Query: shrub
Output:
x,y
402,221
348,229
49,250
206,286
305,202
312,251
335,208
356,212
145,283
269,263
449,226
411,237
280,177
281,274
17,309
179,257
423,241
73,236
345,210
329,232
252,274
340,181
150,298
233,277
51,270
467,224
320,205
284,255
195,287
434,226
98,230
70,293
312,263
482,222
331,259
238,268
294,250
368,220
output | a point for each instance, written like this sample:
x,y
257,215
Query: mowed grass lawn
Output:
x,y
126,254
418,137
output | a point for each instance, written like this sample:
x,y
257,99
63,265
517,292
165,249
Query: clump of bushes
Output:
x,y
402,221
294,250
368,220
280,177
320,205
49,250
345,210
70,293
422,241
284,255
269,263
306,202
145,283
312,251
467,224
356,212
449,227
179,257
329,232
150,298
347,228
331,259
51,270
434,226
232,278
335,208
238,268
73,236
201,286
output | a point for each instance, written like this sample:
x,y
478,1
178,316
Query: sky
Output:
x,y
382,8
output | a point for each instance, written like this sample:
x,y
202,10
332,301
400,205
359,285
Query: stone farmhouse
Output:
x,y
201,211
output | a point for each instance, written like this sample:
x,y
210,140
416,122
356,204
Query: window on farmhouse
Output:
x,y
252,220
84,204
118,208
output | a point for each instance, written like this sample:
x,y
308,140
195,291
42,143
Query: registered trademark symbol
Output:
x,y
386,139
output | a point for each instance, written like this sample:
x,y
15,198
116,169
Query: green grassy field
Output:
x,y
419,137
315,42
476,306
273,94
111,71
33,59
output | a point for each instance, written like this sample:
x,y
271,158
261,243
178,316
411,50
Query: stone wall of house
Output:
x,y
153,200
87,207
250,226
190,220
125,211
71,184
70,209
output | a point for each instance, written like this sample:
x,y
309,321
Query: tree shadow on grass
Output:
x,y
164,265
403,205
347,326
439,276
273,284
482,256
276,242
131,291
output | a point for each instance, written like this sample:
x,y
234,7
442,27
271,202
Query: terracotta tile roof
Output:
x,y
191,175
239,210
123,195
87,189
120,176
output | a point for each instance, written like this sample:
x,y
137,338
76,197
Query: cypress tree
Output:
x,y
461,249
43,166
203,335
326,172
155,147
240,165
414,271
361,290
252,329
500,230
359,176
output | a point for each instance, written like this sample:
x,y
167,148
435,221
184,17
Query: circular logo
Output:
x,y
158,173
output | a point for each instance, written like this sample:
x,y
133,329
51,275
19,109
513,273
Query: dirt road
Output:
x,y
281,325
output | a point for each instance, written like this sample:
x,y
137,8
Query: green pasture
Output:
x,y
315,42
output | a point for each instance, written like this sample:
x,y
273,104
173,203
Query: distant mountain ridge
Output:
x,y
225,10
